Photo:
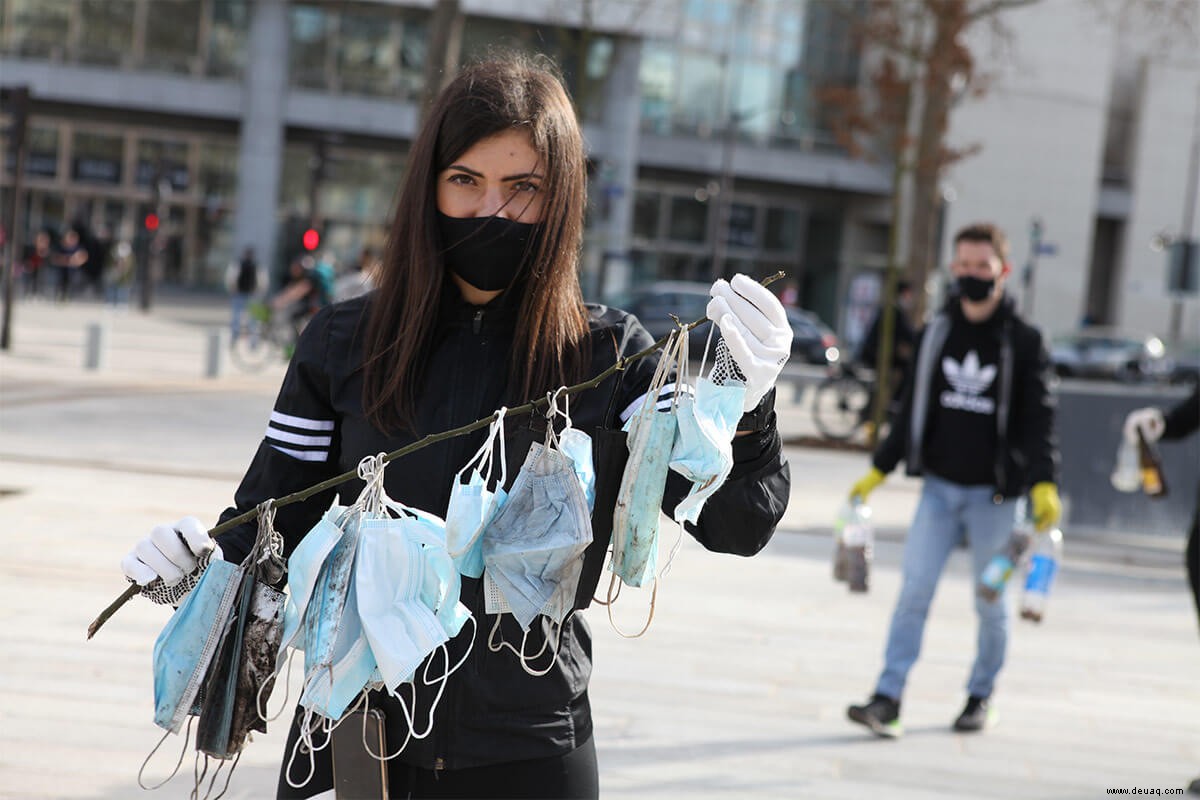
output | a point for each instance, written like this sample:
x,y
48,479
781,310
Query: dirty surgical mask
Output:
x,y
188,643
472,504
487,252
539,534
975,289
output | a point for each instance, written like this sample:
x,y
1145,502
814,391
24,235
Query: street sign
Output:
x,y
1047,249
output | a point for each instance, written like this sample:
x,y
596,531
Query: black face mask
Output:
x,y
975,289
487,252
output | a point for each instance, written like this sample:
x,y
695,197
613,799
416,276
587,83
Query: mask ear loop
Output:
x,y
612,621
707,344
187,738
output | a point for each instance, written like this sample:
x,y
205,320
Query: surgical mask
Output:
x,y
472,504
539,534
975,289
487,252
703,449
639,501
188,643
707,416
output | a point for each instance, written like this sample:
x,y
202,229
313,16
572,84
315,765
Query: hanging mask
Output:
x,y
541,531
975,289
639,500
487,252
401,628
577,446
472,504
703,449
188,643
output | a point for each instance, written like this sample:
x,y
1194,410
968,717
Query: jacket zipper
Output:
x,y
477,323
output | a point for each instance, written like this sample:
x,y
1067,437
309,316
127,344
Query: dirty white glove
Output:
x,y
755,328
1150,420
170,552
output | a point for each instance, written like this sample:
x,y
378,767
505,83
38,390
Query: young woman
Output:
x,y
478,306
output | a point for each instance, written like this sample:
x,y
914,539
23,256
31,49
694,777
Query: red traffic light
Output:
x,y
151,222
311,239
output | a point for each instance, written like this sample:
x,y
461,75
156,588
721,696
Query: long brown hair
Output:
x,y
489,97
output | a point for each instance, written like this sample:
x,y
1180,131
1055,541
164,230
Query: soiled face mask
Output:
x,y
539,535
487,252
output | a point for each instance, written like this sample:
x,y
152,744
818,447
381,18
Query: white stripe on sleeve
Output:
x,y
302,422
296,438
304,455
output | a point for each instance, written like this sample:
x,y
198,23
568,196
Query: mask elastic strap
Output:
x,y
649,619
662,573
558,631
187,737
212,781
304,741
707,344
260,703
371,471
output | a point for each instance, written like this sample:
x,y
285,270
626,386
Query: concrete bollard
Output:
x,y
215,352
95,348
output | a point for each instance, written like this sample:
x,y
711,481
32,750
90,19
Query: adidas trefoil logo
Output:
x,y
970,380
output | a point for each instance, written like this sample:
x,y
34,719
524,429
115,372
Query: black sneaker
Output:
x,y
881,715
1194,787
976,715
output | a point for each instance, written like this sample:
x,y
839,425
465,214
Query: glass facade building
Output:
x,y
158,98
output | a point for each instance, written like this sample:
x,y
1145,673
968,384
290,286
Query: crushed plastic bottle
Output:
x,y
1039,576
1127,473
858,538
997,572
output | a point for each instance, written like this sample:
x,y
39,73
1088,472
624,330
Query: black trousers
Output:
x,y
572,776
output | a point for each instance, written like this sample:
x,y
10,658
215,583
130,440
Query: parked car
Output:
x,y
812,340
1110,354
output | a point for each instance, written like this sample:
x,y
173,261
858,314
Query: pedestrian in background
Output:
x,y
479,306
1172,425
242,281
68,258
977,422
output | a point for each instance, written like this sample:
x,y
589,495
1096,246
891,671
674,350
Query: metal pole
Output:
x,y
19,103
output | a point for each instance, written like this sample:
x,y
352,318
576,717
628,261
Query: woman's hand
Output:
x,y
170,552
755,328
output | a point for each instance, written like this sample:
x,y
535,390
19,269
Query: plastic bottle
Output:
x,y
1127,475
1043,566
859,539
840,555
1152,480
1000,568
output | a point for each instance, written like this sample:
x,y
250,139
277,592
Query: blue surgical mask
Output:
x,y
639,501
703,449
577,446
472,504
188,642
539,534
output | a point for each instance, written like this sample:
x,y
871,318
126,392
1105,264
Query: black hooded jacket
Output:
x,y
492,710
1020,449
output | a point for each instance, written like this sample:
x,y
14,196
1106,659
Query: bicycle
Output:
x,y
842,402
266,336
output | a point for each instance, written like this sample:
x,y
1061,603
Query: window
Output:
x,y
172,35
311,45
366,54
37,28
689,220
227,38
96,158
782,229
740,231
171,157
41,155
645,214
105,32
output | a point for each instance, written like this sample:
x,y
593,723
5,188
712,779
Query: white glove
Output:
x,y
756,330
170,552
1150,420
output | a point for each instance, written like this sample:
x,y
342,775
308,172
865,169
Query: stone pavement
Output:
x,y
737,690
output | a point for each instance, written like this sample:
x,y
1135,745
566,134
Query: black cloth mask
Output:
x,y
487,252
975,289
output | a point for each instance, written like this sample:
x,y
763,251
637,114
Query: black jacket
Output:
x,y
492,711
1026,449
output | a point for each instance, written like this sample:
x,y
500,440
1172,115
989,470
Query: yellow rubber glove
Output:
x,y
1047,508
867,484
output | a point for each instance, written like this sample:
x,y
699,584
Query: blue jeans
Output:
x,y
945,512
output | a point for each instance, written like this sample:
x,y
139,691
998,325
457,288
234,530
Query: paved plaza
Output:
x,y
738,690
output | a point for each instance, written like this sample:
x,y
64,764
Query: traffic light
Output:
x,y
151,222
311,239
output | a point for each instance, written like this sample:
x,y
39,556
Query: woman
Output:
x,y
478,306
